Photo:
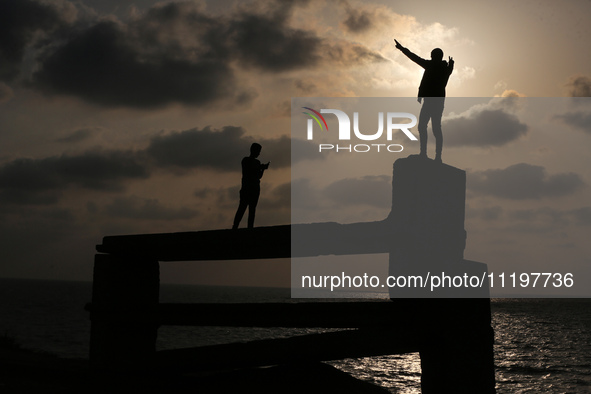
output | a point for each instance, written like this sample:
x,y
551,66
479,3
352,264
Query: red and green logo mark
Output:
x,y
315,116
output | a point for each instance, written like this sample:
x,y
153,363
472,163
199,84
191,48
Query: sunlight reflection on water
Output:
x,y
541,345
399,373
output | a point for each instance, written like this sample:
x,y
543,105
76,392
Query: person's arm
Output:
x,y
262,168
252,169
415,58
450,66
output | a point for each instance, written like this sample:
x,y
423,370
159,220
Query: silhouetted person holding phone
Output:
x,y
252,172
432,90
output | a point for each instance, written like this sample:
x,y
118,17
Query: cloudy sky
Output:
x,y
121,117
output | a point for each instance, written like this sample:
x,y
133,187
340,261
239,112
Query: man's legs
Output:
x,y
240,211
424,117
436,114
248,198
252,207
432,109
245,197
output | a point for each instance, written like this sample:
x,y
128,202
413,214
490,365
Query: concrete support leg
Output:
x,y
123,320
457,351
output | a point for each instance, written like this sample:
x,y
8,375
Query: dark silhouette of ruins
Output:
x,y
424,232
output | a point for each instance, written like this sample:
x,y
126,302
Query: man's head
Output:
x,y
255,149
437,54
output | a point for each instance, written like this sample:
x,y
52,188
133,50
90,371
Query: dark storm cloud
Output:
x,y
369,190
346,54
172,53
146,209
487,213
222,196
537,221
104,65
28,197
21,22
99,170
578,119
357,21
203,192
78,135
523,181
547,214
486,128
39,180
266,42
541,217
579,86
305,86
582,216
554,217
219,149
278,151
278,198
6,93
42,181
175,52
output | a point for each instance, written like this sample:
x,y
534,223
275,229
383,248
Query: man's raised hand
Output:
x,y
451,60
398,46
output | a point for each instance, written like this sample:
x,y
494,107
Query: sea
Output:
x,y
541,345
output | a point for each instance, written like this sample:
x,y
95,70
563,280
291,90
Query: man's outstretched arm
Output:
x,y
417,59
450,65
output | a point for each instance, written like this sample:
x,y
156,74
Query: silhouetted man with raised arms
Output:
x,y
432,90
252,172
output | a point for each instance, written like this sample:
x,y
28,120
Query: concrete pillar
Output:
x,y
457,347
427,219
428,207
123,319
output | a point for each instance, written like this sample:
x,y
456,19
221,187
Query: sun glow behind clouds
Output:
x,y
375,26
